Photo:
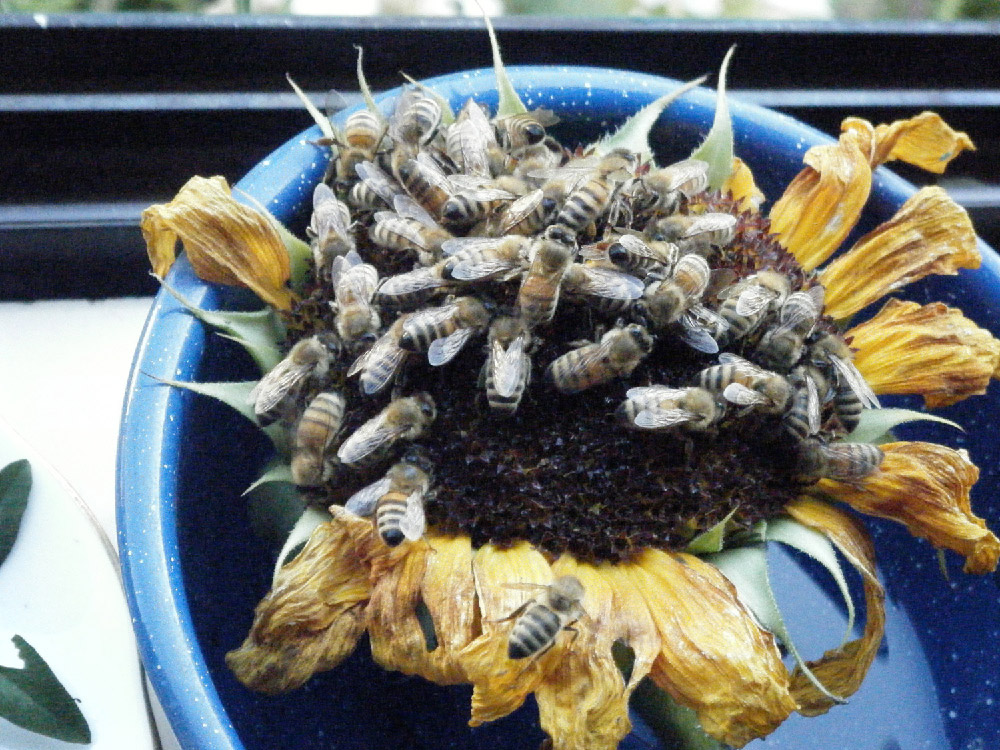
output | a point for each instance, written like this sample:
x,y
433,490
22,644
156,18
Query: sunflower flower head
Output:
x,y
553,418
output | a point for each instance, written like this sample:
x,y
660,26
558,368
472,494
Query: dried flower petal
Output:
x,y
926,141
930,234
715,658
841,670
313,615
822,204
226,242
926,487
931,350
741,185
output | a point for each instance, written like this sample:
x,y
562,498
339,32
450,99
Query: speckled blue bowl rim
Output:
x,y
171,343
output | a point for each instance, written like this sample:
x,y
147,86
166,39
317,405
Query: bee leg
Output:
x,y
513,614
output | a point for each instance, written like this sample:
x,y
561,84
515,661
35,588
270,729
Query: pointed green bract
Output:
x,y
257,331
875,424
33,698
274,503
717,148
276,471
633,135
299,535
15,486
509,102
712,540
321,120
366,93
746,569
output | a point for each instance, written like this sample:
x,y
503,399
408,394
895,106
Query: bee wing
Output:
x,y
744,365
390,358
368,438
273,387
472,270
754,299
856,381
458,244
798,308
710,222
604,282
658,419
443,350
359,282
695,335
406,206
431,316
812,406
413,523
690,176
653,391
736,393
362,503
473,137
508,366
521,209
417,280
330,216
378,181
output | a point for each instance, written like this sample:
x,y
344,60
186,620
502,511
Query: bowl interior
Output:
x,y
194,570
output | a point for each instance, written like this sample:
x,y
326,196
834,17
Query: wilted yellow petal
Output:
x,y
930,234
926,141
313,615
500,684
931,350
841,670
715,659
583,700
742,186
926,487
436,575
822,204
226,242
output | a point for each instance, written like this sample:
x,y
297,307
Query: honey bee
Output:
x,y
525,129
276,394
396,500
539,158
662,190
538,296
508,366
481,258
677,299
354,284
403,419
314,434
843,462
379,365
592,193
471,202
746,303
743,383
329,230
423,180
375,190
658,407
782,346
527,215
640,257
471,141
409,228
802,420
616,355
831,352
695,233
443,331
413,288
358,142
609,290
538,621
415,119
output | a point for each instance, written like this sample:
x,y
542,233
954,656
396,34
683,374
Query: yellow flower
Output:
x,y
445,606
226,242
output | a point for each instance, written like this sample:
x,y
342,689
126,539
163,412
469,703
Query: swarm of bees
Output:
x,y
443,245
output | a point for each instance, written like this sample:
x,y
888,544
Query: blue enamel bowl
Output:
x,y
194,568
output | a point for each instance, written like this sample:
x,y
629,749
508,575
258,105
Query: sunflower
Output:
x,y
521,506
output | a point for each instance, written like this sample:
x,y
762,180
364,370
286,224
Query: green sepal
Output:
x,y
15,486
33,698
717,148
366,92
235,395
711,540
875,424
299,535
275,471
746,569
943,565
633,135
257,331
274,503
509,102
321,120
447,113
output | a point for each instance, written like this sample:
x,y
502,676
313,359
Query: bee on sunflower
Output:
x,y
546,406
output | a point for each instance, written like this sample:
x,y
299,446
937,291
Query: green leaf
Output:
x,y
717,148
33,698
257,331
746,568
325,126
874,424
676,726
633,134
274,503
366,93
15,484
235,395
790,532
509,102
299,535
711,540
